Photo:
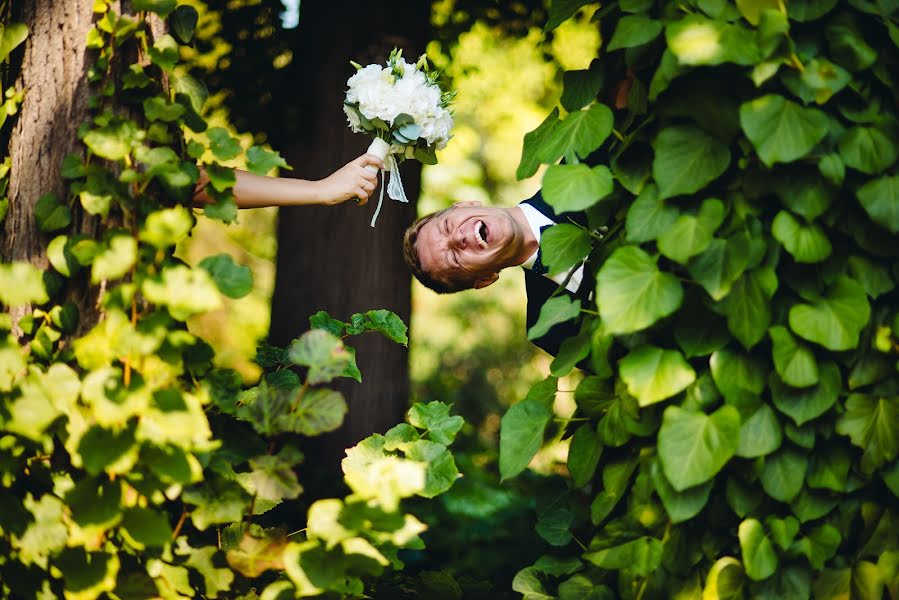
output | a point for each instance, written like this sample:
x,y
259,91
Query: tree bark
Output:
x,y
329,258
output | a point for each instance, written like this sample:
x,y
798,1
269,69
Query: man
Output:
x,y
467,245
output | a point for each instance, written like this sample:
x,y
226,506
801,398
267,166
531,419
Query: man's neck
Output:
x,y
530,244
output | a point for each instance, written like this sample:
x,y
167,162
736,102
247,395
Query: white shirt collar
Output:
x,y
537,220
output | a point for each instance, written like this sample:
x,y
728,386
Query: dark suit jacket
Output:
x,y
540,288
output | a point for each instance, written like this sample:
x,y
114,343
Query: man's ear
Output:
x,y
485,281
468,203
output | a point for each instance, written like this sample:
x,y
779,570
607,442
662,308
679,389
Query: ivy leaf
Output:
x,y
323,353
870,423
847,44
165,53
691,235
781,130
223,146
116,260
564,246
725,580
554,311
570,188
261,161
808,403
641,556
113,141
583,454
880,199
680,506
147,527
803,191
784,473
382,321
11,37
441,471
216,502
534,146
759,558
696,40
160,7
720,265
184,23
795,362
527,583
820,545
579,88
806,242
653,374
868,149
50,215
632,293
649,216
521,435
634,30
686,160
435,418
232,280
748,308
829,468
319,411
183,291
836,319
562,10
694,446
167,227
581,132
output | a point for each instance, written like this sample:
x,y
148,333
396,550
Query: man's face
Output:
x,y
469,242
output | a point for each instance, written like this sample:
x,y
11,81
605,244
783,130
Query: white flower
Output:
x,y
352,118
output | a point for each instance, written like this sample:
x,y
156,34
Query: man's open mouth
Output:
x,y
481,234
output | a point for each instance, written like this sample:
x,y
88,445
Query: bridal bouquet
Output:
x,y
404,108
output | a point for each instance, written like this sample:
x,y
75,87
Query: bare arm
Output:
x,y
352,180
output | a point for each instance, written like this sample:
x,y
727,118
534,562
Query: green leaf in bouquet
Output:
x,y
261,161
50,214
690,235
806,242
323,353
410,131
570,188
632,293
781,131
686,160
183,22
426,155
554,311
521,435
435,418
836,319
634,30
759,558
694,446
654,374
784,473
880,199
232,280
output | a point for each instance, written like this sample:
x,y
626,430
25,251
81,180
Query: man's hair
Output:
x,y
410,255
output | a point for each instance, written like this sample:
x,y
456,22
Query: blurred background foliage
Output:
x,y
468,349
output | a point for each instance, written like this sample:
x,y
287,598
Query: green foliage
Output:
x,y
131,466
739,436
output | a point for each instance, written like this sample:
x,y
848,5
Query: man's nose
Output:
x,y
458,238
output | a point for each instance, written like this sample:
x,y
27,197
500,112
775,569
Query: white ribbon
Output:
x,y
395,190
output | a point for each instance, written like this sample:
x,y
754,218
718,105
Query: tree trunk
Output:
x,y
329,258
54,76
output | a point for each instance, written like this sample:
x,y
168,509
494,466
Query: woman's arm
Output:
x,y
352,180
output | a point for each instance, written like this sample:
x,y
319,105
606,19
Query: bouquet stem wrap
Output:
x,y
395,190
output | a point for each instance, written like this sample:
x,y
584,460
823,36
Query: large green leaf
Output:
x,y
582,131
634,30
564,245
441,470
737,374
748,308
554,311
21,283
533,151
696,40
233,280
317,411
435,418
803,405
569,188
632,293
684,505
686,160
880,198
521,435
116,260
870,422
694,446
653,374
323,353
641,556
806,242
794,361
781,130
691,234
579,88
583,454
183,291
868,149
725,580
760,433
562,10
720,264
11,36
836,319
784,473
759,558
167,227
829,468
649,216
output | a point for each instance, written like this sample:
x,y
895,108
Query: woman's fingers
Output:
x,y
369,159
362,195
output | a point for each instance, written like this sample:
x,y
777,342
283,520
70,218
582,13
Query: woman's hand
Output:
x,y
352,180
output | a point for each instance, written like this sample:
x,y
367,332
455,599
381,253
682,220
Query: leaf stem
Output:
x,y
179,525
590,312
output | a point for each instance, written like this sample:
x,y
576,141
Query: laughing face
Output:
x,y
471,243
